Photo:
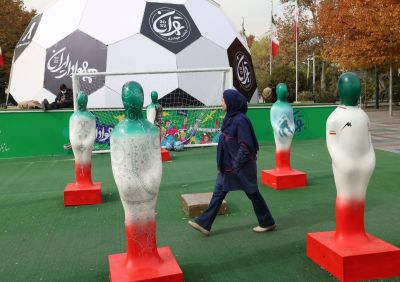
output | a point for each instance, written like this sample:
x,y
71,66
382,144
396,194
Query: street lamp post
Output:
x,y
313,79
311,58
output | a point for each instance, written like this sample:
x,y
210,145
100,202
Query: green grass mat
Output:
x,y
41,240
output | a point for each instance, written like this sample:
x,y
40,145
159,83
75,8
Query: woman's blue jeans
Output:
x,y
260,207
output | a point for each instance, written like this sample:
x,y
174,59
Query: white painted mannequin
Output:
x,y
154,110
82,126
137,169
353,159
282,122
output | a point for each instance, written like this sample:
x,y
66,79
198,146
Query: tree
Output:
x,y
14,18
306,6
250,40
309,38
363,34
307,43
287,74
260,58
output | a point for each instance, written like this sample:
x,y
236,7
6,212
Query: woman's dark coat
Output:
x,y
237,147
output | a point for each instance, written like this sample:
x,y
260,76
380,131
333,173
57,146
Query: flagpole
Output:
x,y
270,41
297,82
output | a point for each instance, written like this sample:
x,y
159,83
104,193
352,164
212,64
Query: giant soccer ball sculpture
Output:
x,y
89,36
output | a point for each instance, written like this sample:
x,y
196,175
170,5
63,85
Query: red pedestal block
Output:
x,y
359,260
283,176
165,156
77,195
166,270
283,179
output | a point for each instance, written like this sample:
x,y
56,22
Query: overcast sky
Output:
x,y
256,13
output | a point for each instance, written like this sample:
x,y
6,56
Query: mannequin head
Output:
x,y
154,97
349,87
82,101
132,98
282,92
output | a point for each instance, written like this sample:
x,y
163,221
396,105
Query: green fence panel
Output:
x,y
26,134
310,122
36,133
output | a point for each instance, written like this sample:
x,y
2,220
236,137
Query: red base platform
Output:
x,y
365,261
165,155
283,179
167,271
87,195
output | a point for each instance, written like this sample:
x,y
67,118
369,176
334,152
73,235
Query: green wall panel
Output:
x,y
310,122
26,134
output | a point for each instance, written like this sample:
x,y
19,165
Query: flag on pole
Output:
x,y
1,59
296,21
274,39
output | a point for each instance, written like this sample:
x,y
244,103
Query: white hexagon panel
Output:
x,y
112,21
140,54
89,36
203,86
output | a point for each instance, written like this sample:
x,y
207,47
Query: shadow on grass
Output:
x,y
110,197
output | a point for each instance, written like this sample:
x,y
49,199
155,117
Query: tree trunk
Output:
x,y
323,82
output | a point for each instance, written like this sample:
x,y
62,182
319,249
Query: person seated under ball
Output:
x,y
64,99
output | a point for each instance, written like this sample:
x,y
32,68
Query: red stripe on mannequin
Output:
x,y
350,220
282,160
142,245
83,174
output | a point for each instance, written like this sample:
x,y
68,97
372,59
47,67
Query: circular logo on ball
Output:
x,y
243,70
170,25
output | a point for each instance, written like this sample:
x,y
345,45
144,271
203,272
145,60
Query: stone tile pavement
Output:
x,y
385,130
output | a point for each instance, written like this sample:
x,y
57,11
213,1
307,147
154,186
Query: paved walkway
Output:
x,y
385,131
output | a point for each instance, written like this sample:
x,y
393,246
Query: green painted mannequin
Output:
x,y
353,159
137,169
154,110
282,122
154,97
82,126
82,135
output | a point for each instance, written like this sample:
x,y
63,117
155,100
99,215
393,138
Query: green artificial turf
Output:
x,y
41,240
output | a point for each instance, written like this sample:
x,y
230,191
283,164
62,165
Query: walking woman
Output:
x,y
236,162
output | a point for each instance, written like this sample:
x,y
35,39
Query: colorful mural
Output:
x,y
189,127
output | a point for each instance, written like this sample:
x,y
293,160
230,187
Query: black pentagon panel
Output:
x,y
244,77
179,98
169,25
76,53
27,36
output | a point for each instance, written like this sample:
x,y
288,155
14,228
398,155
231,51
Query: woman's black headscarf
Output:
x,y
237,105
